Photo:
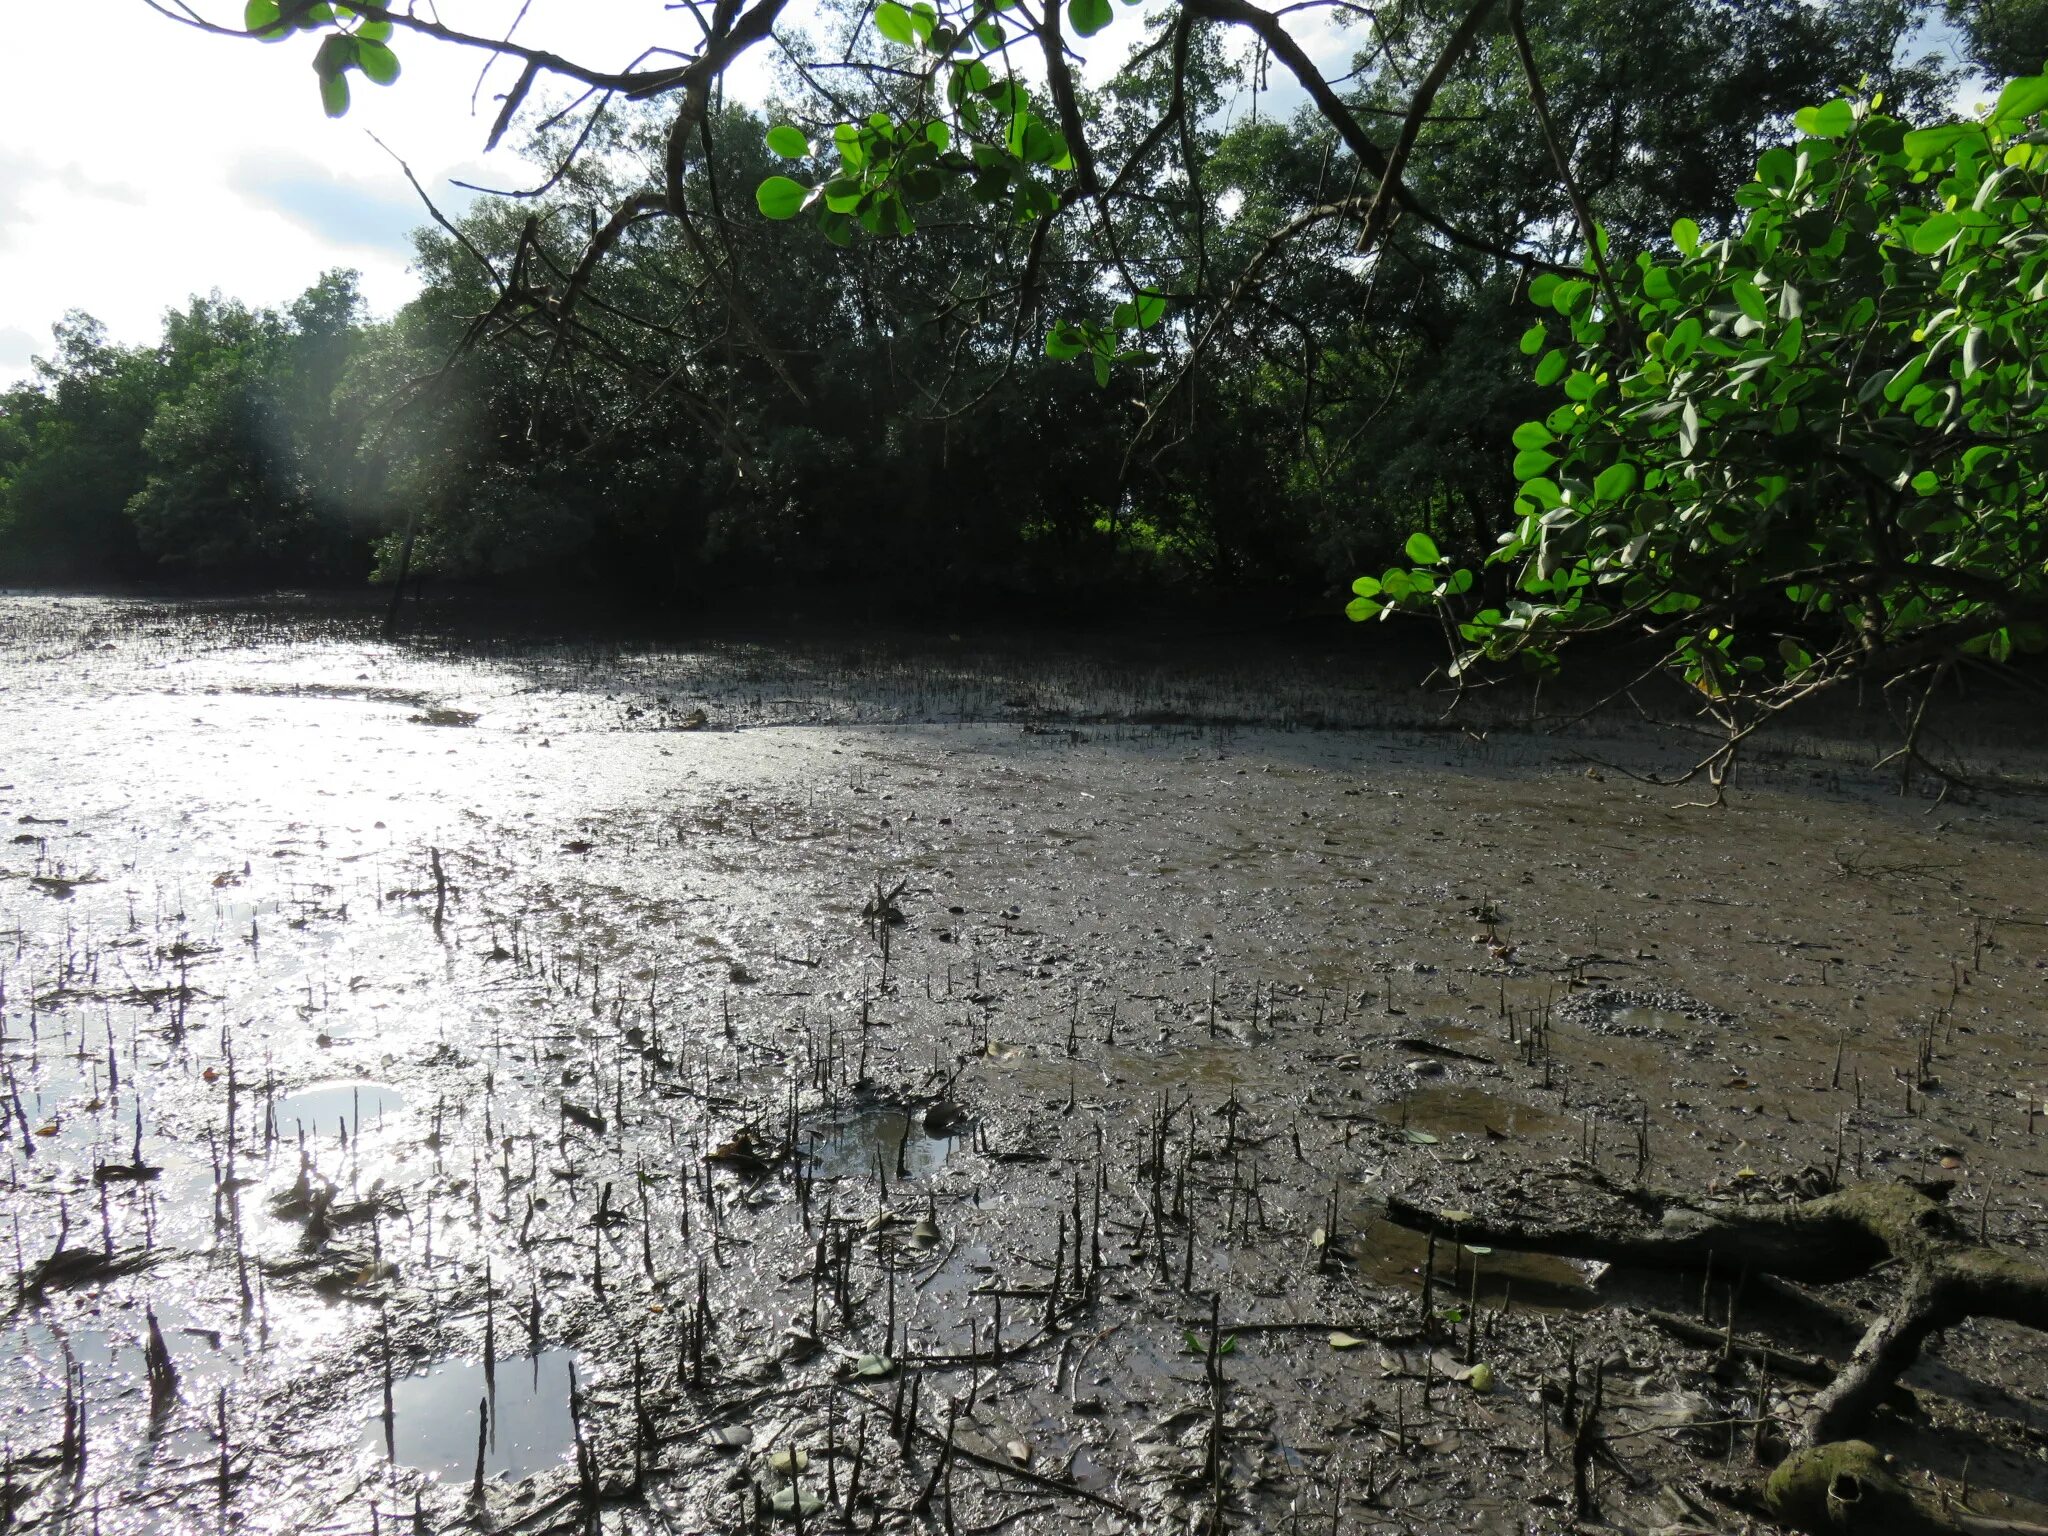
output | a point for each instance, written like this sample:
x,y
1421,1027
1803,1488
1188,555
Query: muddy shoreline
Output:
x,y
750,1029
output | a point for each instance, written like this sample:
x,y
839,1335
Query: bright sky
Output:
x,y
142,161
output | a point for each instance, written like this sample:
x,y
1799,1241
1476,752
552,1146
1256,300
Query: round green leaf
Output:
x,y
1928,143
1366,586
1359,609
378,62
1541,287
1833,121
1089,16
260,17
1421,549
788,141
780,198
1687,236
1533,339
1615,481
893,22
1533,434
2020,100
334,94
1935,231
1552,368
1531,462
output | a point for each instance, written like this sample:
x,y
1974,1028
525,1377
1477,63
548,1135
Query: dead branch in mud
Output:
x,y
1831,1484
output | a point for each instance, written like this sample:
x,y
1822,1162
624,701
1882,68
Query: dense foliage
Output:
x,y
1133,339
1814,447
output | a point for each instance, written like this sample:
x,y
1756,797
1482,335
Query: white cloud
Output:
x,y
16,348
346,213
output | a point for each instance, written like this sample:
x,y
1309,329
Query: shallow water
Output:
x,y
525,1417
563,970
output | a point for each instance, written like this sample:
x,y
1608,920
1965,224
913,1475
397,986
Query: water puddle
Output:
x,y
325,1108
894,1136
1393,1256
434,1417
1652,1023
1457,1109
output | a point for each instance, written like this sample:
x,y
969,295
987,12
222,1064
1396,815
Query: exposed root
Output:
x,y
1831,1483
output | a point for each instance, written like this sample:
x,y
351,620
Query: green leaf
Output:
x,y
1533,339
1089,16
378,63
1151,309
2020,100
1542,286
334,94
1686,234
1421,548
1836,120
1931,143
893,22
1907,376
1552,368
788,141
792,1500
990,35
1359,609
1615,481
261,18
1366,586
781,198
1749,299
1935,232
1065,341
1533,434
1101,371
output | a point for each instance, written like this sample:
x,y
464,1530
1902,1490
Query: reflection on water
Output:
x,y
1459,1109
1391,1255
435,1417
895,1137
328,1107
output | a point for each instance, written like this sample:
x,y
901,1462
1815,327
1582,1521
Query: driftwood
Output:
x,y
1831,1484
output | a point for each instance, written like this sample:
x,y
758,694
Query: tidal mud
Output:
x,y
912,1095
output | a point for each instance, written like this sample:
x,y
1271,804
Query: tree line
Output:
x,y
736,400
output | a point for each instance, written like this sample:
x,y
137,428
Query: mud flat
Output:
x,y
572,1088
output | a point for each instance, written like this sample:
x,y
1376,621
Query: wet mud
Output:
x,y
562,1087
